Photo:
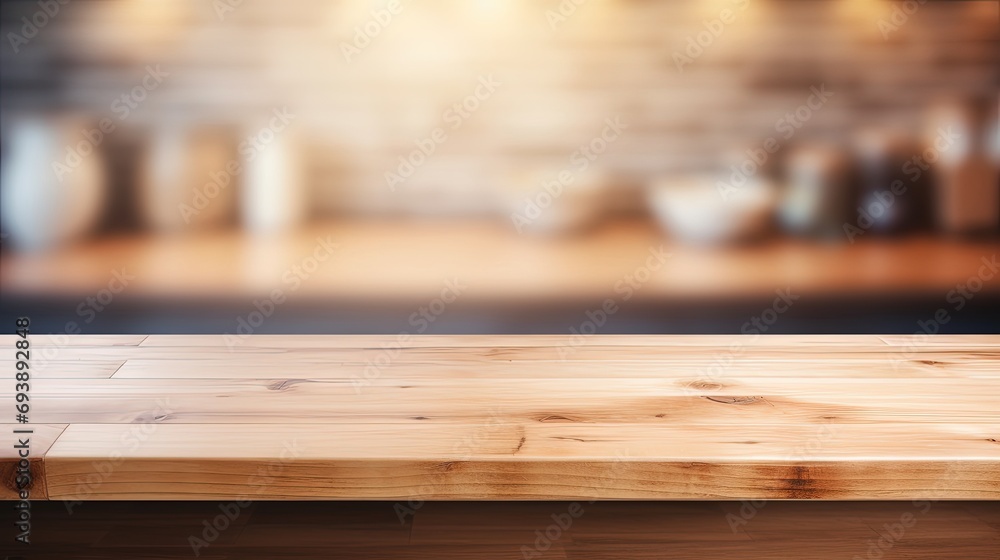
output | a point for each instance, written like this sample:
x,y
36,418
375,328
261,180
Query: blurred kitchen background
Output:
x,y
500,166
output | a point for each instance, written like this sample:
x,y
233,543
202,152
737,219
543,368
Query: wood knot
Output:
x,y
520,444
447,466
556,418
152,419
735,400
285,384
800,484
702,385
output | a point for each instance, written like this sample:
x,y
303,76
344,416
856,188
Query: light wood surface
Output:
x,y
505,418
384,262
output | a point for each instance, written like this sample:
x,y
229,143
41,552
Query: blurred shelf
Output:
x,y
411,262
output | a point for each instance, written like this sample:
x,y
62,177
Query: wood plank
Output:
x,y
75,369
516,461
584,390
952,342
906,356
711,367
73,341
691,402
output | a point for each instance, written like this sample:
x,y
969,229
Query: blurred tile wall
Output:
x,y
362,99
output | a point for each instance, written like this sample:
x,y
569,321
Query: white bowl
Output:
x,y
694,209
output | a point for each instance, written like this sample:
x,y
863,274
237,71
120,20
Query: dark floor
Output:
x,y
474,530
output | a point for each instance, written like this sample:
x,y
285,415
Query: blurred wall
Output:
x,y
362,101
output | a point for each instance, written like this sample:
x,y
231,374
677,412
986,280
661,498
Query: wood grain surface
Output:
x,y
509,418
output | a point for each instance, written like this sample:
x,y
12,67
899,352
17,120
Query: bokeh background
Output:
x,y
489,166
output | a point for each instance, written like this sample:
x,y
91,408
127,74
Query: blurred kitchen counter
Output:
x,y
410,263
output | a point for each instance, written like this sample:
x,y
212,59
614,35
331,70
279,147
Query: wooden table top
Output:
x,y
512,417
